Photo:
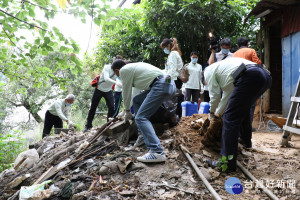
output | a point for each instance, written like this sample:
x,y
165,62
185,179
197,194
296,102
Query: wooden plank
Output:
x,y
291,129
279,121
295,99
43,175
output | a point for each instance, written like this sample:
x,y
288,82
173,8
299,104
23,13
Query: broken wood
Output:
x,y
42,176
279,121
98,134
20,163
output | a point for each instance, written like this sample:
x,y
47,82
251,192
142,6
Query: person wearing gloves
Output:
x,y
174,63
57,112
157,87
242,82
103,89
225,53
193,85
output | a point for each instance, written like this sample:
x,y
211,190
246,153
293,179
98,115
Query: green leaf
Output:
x,y
97,21
230,157
224,158
224,168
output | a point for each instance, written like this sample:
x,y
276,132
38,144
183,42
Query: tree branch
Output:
x,y
9,38
50,10
22,20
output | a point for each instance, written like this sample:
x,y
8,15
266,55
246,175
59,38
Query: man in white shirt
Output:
x,y
58,111
103,89
238,95
157,87
225,53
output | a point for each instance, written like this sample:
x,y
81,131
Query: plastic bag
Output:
x,y
27,159
28,192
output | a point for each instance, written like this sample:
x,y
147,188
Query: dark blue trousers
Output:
x,y
117,102
236,118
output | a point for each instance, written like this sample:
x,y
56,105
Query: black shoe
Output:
x,y
86,130
214,164
247,145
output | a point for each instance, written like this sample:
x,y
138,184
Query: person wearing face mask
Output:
x,y
57,112
193,85
174,63
225,53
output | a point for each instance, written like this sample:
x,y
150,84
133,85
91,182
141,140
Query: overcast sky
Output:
x,y
80,32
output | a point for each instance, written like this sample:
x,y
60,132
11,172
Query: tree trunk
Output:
x,y
204,49
28,107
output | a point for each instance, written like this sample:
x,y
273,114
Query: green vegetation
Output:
x,y
47,65
223,161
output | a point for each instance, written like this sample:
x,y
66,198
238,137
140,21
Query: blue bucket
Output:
x,y
189,108
204,108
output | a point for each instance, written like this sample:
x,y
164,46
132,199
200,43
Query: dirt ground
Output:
x,y
267,161
278,168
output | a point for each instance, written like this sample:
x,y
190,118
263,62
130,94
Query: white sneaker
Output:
x,y
152,157
139,142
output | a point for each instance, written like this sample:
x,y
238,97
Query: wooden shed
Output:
x,y
281,26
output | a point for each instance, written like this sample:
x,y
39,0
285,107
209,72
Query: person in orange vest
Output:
x,y
246,52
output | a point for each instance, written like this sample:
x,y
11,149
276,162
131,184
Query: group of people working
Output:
x,y
231,83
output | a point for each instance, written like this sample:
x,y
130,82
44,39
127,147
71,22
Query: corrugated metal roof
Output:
x,y
264,5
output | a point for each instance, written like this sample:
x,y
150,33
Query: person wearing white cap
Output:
x,y
58,112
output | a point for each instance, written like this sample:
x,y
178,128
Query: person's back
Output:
x,y
246,52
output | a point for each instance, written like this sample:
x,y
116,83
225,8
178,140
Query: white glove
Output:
x,y
121,115
128,115
201,90
183,90
70,124
119,84
210,116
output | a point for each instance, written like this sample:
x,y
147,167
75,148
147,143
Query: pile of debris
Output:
x,y
102,164
98,164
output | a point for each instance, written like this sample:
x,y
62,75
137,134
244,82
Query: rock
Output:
x,y
109,167
214,173
206,173
161,191
293,152
206,153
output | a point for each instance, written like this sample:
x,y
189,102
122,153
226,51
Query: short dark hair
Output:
x,y
225,41
117,64
194,53
242,41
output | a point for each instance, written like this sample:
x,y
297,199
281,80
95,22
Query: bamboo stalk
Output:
x,y
201,176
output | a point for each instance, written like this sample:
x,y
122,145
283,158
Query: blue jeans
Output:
x,y
145,105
